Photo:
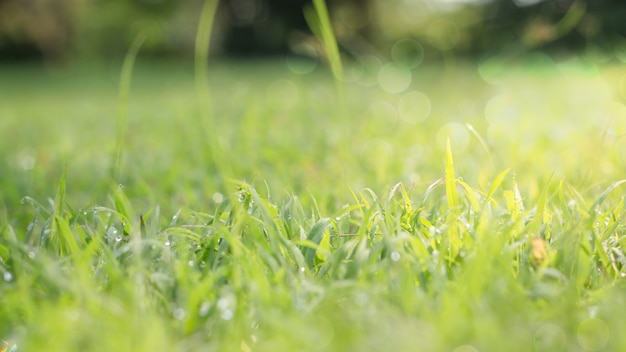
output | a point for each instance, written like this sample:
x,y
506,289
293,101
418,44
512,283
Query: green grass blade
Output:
x,y
324,29
451,194
470,194
55,237
604,195
122,107
319,21
203,40
217,154
495,184
481,141
316,235
123,208
454,241
540,211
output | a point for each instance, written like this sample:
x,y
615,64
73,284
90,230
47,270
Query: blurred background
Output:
x,y
53,31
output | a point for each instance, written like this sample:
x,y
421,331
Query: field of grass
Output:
x,y
480,209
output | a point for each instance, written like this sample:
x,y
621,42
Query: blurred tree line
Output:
x,y
61,30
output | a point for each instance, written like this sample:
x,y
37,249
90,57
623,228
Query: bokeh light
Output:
x,y
593,334
414,107
456,132
491,69
301,65
384,113
370,65
444,34
394,78
549,337
465,348
407,53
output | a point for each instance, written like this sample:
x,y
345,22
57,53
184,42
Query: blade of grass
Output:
x,y
316,236
122,107
201,76
454,242
604,195
540,211
451,194
123,207
495,184
318,20
61,237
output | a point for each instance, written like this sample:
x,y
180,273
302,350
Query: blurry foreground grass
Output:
x,y
336,228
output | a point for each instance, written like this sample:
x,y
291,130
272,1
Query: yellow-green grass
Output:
x,y
479,209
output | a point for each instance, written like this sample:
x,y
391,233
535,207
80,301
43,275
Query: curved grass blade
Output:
x,y
122,107
315,235
604,195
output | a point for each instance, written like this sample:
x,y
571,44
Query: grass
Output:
x,y
488,217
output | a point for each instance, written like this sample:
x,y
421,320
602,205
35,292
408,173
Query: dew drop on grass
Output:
x,y
179,313
227,314
8,276
31,255
593,311
301,270
222,303
395,256
549,338
168,243
204,309
27,161
191,263
361,299
118,238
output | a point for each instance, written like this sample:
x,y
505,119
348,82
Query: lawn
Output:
x,y
481,208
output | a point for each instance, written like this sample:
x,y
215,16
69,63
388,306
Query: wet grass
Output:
x,y
363,230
